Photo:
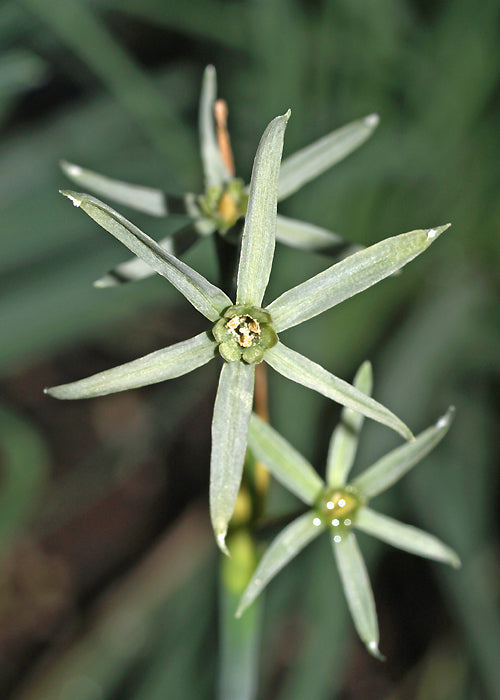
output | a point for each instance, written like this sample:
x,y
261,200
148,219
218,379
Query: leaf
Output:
x,y
390,468
233,406
259,231
208,299
158,366
283,461
405,537
291,540
214,169
344,440
299,369
313,160
349,277
358,590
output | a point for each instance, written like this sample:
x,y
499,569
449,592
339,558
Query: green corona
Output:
x,y
336,509
225,205
244,333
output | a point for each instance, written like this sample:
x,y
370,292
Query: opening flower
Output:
x,y
338,508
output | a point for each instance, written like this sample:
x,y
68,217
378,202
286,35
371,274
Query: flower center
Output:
x,y
225,205
337,508
244,333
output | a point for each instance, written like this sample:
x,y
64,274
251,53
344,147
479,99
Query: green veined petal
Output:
x,y
214,169
299,369
358,590
259,231
283,461
204,296
390,468
311,161
306,236
291,540
344,440
403,536
158,366
349,277
233,406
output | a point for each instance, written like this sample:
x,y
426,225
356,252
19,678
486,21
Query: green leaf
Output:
x,y
306,236
309,162
291,540
257,246
158,366
208,299
358,590
283,461
299,369
349,276
233,406
344,440
390,468
406,537
214,169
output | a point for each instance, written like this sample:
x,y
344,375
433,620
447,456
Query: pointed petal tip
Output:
x,y
239,611
70,168
446,419
433,233
104,282
375,651
74,197
372,120
221,542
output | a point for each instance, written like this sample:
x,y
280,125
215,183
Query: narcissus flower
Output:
x,y
243,333
338,507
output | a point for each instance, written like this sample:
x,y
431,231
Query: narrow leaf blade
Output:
x,y
405,537
233,406
283,461
311,161
358,590
214,169
204,296
344,440
291,540
259,232
299,369
390,468
349,277
158,366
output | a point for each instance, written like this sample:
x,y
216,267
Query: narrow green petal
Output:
x,y
311,161
349,276
406,537
214,169
204,296
146,199
283,461
306,236
259,231
299,369
291,540
358,590
344,440
158,366
233,406
389,469
135,269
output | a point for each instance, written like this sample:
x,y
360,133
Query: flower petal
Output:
x,y
214,168
344,440
403,536
158,366
358,590
299,369
257,245
204,296
283,461
291,540
348,277
390,468
233,406
311,161
305,236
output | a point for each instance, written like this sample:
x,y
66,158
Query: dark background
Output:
x,y
108,569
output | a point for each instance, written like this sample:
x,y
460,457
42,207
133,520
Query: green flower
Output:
x,y
244,333
338,508
223,204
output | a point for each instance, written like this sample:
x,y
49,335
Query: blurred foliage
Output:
x,y
113,85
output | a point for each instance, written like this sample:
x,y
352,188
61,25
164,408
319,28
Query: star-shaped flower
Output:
x,y
244,333
223,204
338,507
